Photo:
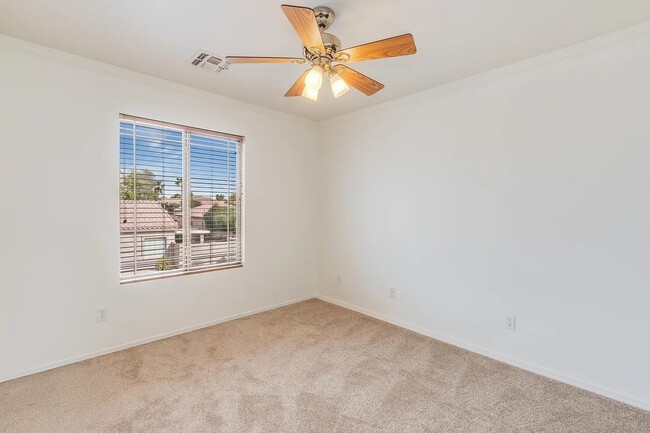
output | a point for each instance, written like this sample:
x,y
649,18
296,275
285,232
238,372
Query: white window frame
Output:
x,y
186,266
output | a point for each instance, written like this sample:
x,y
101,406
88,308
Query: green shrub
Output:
x,y
164,264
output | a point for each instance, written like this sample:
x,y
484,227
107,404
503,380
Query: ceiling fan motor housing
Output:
x,y
331,42
332,45
324,18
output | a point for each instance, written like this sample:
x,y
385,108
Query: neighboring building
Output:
x,y
198,213
154,235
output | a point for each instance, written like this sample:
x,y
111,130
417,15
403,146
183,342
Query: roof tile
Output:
x,y
151,216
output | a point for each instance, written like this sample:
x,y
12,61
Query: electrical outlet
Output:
x,y
392,292
102,314
338,280
511,322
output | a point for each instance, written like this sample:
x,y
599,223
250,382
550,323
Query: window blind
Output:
x,y
181,199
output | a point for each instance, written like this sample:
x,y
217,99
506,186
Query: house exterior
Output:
x,y
154,235
199,229
198,213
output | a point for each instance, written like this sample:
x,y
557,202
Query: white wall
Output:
x,y
525,192
59,224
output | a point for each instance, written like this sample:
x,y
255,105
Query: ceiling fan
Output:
x,y
323,52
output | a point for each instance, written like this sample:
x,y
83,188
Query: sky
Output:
x,y
213,160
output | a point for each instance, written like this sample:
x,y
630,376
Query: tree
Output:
x,y
194,202
220,197
233,198
171,207
220,218
159,188
147,187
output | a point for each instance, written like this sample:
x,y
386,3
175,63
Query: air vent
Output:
x,y
209,62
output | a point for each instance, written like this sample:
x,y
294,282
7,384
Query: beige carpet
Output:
x,y
309,367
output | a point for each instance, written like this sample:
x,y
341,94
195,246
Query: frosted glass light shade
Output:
x,y
310,93
339,86
314,78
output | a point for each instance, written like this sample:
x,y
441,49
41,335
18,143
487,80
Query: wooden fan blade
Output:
x,y
402,45
359,81
249,59
298,86
304,22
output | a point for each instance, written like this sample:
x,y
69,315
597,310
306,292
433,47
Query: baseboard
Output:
x,y
117,348
542,371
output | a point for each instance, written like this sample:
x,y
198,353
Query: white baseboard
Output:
x,y
542,371
117,348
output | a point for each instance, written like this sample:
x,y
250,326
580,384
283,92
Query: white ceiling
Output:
x,y
455,39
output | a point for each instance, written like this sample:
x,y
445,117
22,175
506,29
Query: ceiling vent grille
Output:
x,y
209,62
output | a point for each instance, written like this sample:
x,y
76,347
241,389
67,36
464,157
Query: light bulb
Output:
x,y
314,78
310,93
339,86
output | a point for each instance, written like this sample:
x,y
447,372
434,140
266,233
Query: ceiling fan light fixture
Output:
x,y
338,84
314,78
310,93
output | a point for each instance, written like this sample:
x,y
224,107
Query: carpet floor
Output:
x,y
308,367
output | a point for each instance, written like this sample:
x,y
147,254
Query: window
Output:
x,y
153,247
181,199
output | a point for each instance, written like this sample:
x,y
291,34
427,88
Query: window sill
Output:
x,y
131,280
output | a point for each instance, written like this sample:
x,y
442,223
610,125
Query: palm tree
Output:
x,y
158,188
